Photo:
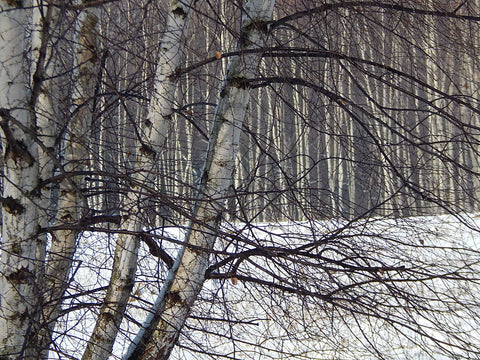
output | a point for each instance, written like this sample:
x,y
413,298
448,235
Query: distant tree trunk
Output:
x,y
344,151
361,149
319,177
154,131
288,143
22,250
185,280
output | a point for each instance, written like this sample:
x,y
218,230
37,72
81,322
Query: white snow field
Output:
x,y
248,320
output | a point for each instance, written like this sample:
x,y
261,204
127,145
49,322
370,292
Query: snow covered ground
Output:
x,y
248,321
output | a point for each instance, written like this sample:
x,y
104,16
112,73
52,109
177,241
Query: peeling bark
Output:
x,y
185,280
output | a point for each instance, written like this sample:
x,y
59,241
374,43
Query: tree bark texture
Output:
x,y
43,102
21,247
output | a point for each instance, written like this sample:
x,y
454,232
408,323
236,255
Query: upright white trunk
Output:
x,y
43,97
20,248
44,94
71,203
155,130
162,330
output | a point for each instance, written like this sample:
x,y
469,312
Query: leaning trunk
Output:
x,y
185,280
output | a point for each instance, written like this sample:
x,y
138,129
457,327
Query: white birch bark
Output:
x,y
71,203
43,98
43,92
185,280
20,265
155,130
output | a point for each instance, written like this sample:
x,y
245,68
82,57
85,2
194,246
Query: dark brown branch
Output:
x,y
375,5
156,250
92,220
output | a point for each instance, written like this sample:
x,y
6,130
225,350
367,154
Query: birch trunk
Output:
x,y
155,131
71,203
44,95
21,247
185,280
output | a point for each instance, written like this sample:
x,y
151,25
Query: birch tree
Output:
x,y
44,95
72,206
186,278
155,129
22,250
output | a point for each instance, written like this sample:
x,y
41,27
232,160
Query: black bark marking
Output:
x,y
36,192
108,316
128,287
179,12
239,82
17,249
259,25
67,218
12,206
16,149
15,3
174,297
147,150
22,275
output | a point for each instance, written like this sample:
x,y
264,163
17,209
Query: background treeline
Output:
x,y
359,111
